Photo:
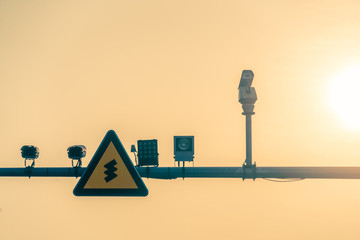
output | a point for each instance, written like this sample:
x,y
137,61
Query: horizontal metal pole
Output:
x,y
251,172
201,172
41,172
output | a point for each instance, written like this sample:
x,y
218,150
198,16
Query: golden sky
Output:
x,y
72,70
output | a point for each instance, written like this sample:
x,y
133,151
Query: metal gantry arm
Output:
x,y
202,172
251,173
247,97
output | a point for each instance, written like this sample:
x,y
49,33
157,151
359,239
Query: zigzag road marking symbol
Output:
x,y
110,172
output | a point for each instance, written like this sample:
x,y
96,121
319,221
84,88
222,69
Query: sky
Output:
x,y
72,70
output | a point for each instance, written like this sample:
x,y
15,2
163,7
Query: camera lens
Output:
x,y
184,144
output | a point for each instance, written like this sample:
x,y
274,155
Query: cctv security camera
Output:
x,y
247,94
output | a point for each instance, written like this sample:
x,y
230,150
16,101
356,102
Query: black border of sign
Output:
x,y
110,137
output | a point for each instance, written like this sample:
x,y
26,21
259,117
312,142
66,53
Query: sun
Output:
x,y
344,97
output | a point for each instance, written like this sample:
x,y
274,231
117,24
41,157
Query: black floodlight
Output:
x,y
148,153
76,153
184,148
29,152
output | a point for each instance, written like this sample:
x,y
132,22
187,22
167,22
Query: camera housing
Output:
x,y
29,152
76,152
247,94
184,148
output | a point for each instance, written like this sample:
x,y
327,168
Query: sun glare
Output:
x,y
345,97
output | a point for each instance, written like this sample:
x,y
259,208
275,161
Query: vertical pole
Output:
x,y
248,160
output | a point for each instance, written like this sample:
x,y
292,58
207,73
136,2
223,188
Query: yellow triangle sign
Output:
x,y
110,172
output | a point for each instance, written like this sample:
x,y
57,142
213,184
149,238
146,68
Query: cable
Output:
x,y
293,180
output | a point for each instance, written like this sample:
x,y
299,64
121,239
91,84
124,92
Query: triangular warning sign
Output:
x,y
110,172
